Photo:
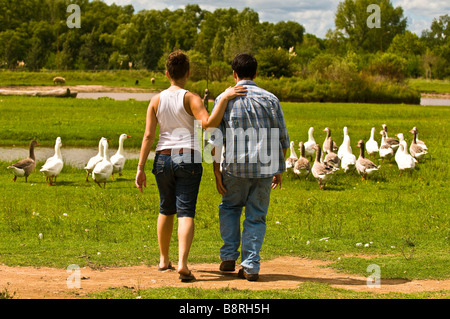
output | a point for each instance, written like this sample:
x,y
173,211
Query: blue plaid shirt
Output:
x,y
254,134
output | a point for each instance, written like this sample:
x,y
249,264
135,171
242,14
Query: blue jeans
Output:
x,y
178,184
254,194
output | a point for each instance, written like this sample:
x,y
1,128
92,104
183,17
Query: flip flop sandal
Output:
x,y
187,278
169,267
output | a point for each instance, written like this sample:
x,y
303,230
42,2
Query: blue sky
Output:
x,y
316,16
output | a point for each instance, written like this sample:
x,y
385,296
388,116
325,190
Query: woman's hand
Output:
x,y
234,91
141,180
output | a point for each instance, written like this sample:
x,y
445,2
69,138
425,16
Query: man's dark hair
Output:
x,y
177,64
245,65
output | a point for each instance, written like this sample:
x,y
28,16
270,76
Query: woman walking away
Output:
x,y
178,163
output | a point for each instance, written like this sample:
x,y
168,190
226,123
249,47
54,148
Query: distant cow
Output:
x,y
59,80
153,80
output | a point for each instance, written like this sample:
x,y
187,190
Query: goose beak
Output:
x,y
396,135
38,144
128,136
412,131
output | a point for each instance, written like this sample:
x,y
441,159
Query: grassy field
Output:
x,y
122,78
430,86
405,220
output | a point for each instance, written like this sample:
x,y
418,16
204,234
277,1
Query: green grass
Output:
x,y
79,122
430,86
308,290
405,219
123,78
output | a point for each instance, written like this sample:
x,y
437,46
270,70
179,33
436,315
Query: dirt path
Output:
x,y
280,273
80,88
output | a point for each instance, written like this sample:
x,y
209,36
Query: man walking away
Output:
x,y
255,141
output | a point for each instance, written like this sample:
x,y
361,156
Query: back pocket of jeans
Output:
x,y
189,169
158,166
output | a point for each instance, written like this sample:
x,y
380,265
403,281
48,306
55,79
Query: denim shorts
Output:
x,y
178,184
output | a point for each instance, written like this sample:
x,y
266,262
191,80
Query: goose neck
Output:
x,y
302,150
361,153
310,135
293,151
318,154
105,152
32,152
347,144
121,150
58,151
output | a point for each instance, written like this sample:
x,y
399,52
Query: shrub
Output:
x,y
389,65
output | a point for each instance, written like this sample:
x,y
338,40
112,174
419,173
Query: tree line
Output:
x,y
34,36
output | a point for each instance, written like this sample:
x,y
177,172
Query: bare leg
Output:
x,y
185,237
164,229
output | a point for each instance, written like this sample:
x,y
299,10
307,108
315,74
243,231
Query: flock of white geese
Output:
x,y
101,167
329,158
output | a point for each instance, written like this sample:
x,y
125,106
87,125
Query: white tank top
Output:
x,y
176,126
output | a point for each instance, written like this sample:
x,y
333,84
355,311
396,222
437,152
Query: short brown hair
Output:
x,y
177,64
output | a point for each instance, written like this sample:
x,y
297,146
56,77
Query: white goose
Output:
x,y
309,145
372,145
54,164
401,138
118,159
322,172
416,150
290,161
386,151
302,167
364,166
348,160
94,160
343,147
405,162
103,170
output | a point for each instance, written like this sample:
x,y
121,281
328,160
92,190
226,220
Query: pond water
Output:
x,y
76,157
438,102
117,96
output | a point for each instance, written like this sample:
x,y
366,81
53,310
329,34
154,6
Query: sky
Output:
x,y
317,16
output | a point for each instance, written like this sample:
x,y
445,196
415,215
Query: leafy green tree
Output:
x,y
274,62
290,33
406,44
41,44
436,60
351,18
12,48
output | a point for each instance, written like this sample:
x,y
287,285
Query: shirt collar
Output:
x,y
246,82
